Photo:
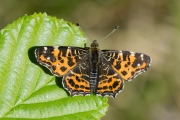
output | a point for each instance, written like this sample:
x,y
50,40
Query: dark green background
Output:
x,y
147,26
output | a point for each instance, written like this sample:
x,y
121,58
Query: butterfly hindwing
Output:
x,y
127,64
59,59
76,81
109,82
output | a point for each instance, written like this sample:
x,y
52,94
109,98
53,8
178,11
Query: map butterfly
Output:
x,y
87,70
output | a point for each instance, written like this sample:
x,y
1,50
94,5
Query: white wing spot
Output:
x,y
142,57
132,53
48,58
56,47
45,48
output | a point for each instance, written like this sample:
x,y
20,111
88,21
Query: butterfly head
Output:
x,y
94,44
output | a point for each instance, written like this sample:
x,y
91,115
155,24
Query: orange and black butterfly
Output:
x,y
87,70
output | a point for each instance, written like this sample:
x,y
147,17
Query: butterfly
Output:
x,y
90,70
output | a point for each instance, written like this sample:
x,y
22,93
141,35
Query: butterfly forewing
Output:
x,y
58,59
127,64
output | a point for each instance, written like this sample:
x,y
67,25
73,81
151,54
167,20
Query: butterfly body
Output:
x,y
94,61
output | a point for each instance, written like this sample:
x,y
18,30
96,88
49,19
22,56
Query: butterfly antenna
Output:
x,y
83,31
110,33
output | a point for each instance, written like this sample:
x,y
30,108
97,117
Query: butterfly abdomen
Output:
x,y
93,81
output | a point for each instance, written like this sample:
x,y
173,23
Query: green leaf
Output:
x,y
29,91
